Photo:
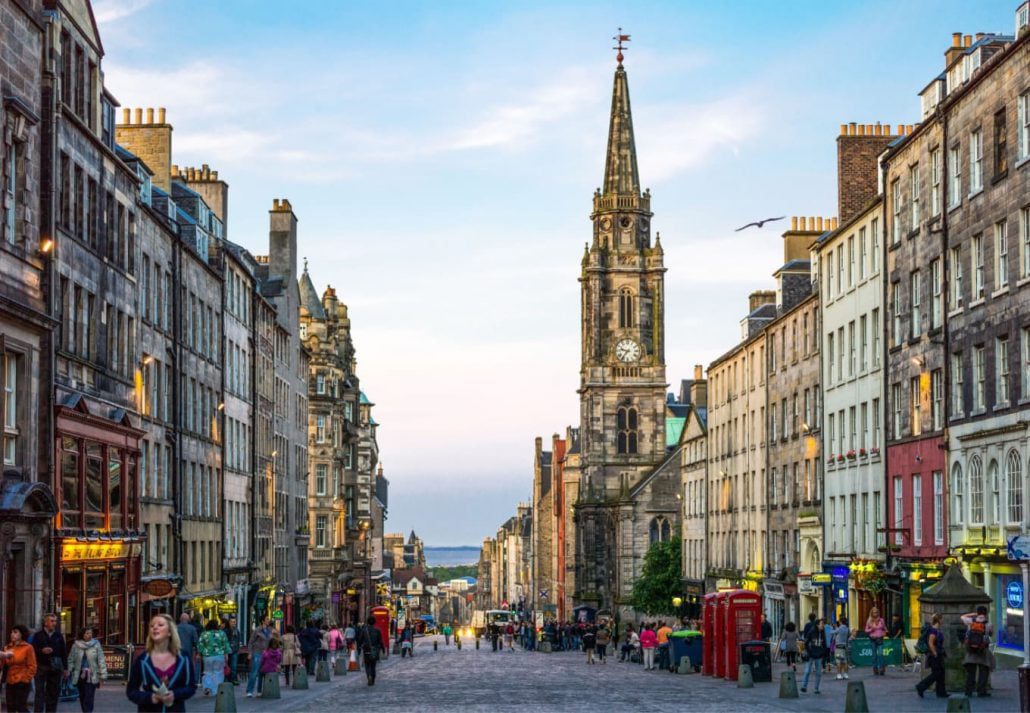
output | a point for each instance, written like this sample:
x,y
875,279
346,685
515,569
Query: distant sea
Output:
x,y
451,556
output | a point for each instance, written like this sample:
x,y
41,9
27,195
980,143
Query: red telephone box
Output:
x,y
382,617
719,642
708,630
742,621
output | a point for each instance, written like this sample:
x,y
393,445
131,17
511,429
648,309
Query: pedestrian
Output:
x,y
589,643
664,645
815,649
272,657
162,679
214,652
809,625
87,667
407,641
604,637
789,644
648,644
767,630
336,644
188,639
978,658
256,646
629,645
509,637
19,668
934,660
290,648
370,642
235,638
841,639
447,634
897,630
51,664
310,643
876,628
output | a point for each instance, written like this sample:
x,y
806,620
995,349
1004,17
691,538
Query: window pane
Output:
x,y
70,516
94,486
114,473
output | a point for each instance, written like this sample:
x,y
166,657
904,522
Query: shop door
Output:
x,y
96,605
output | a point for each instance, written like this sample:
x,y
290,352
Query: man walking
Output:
x,y
232,633
934,660
446,634
51,664
256,646
370,643
663,645
188,639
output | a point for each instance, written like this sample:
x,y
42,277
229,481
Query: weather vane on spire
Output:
x,y
619,39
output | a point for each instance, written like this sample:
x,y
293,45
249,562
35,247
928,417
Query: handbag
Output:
x,y
783,646
227,671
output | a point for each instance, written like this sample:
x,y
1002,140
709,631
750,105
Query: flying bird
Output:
x,y
758,223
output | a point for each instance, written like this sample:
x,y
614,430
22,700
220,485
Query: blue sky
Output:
x,y
441,158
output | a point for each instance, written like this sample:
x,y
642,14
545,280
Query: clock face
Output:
x,y
627,351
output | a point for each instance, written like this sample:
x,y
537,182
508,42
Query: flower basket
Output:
x,y
852,455
862,453
840,459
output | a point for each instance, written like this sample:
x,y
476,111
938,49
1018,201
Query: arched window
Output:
x,y
976,490
659,530
1014,483
994,482
626,320
958,514
626,428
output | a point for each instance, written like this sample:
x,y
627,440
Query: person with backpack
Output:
x,y
934,650
815,650
370,643
977,659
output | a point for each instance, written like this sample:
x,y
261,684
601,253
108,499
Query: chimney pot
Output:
x,y
956,39
967,41
979,36
275,204
150,116
861,129
161,115
901,129
909,129
139,115
869,130
214,175
698,372
853,128
843,129
801,223
126,113
175,170
794,219
819,224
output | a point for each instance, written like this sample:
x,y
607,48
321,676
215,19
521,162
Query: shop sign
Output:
x,y
335,597
805,585
158,588
1019,547
822,578
1014,594
93,550
277,614
774,590
117,660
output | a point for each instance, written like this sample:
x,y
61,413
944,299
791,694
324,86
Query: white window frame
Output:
x,y
938,507
899,507
979,378
1001,254
957,385
955,174
936,399
976,491
11,432
1024,125
1001,371
917,509
937,297
915,304
976,260
935,182
896,207
1024,242
976,161
913,179
1014,487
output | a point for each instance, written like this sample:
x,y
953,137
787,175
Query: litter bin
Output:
x,y
687,643
756,655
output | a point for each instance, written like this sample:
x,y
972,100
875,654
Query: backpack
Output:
x,y
976,637
923,643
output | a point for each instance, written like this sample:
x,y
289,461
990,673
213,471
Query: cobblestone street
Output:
x,y
470,680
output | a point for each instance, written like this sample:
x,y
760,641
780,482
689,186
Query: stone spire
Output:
x,y
309,295
620,169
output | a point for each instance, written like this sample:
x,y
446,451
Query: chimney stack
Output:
x,y
151,142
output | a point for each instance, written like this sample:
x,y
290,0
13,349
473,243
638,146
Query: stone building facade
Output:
x,y
792,388
94,292
544,487
27,502
985,117
694,476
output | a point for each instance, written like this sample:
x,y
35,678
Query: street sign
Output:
x,y
1019,547
277,614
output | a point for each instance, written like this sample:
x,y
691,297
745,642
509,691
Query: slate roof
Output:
x,y
309,296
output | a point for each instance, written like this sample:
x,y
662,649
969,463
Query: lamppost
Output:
x,y
365,525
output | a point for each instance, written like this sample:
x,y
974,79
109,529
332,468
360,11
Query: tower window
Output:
x,y
626,320
626,426
660,530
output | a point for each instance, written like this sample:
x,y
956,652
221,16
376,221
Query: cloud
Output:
x,y
112,10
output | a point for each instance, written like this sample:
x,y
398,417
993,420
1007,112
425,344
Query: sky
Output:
x,y
441,158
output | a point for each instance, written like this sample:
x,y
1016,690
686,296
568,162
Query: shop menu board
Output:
x,y
118,659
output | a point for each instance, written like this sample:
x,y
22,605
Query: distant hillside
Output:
x,y
446,574
451,556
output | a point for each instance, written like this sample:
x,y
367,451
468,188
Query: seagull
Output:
x,y
758,223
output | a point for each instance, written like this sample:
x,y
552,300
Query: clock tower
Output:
x,y
622,373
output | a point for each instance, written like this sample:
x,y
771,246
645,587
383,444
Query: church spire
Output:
x,y
620,169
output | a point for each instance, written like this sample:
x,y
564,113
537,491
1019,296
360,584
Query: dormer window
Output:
x,y
1022,17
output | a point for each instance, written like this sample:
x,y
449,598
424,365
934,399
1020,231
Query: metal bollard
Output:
x,y
477,644
435,645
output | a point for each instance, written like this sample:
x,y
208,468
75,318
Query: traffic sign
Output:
x,y
277,614
1019,547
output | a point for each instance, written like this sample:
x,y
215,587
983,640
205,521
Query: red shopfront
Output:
x,y
98,541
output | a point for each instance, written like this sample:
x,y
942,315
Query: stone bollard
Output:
x,y
958,704
545,647
788,685
225,698
855,700
341,666
270,686
322,673
300,678
435,645
396,647
685,665
744,677
477,644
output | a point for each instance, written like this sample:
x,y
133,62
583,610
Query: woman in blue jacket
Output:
x,y
161,679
